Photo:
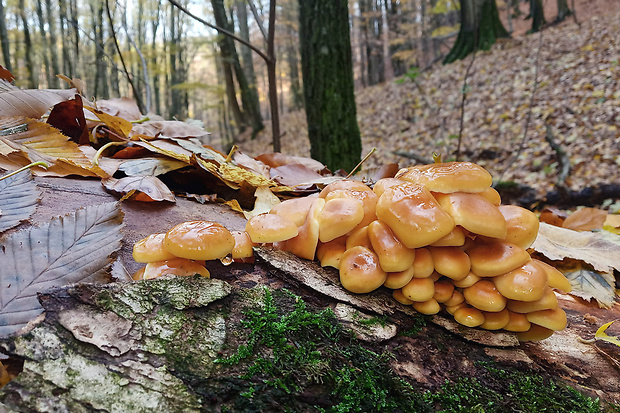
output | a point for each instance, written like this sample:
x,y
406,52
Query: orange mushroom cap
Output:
x,y
294,209
517,322
553,319
456,298
496,258
360,271
393,255
175,266
345,184
451,262
522,225
360,238
427,307
338,217
305,243
484,296
443,291
384,183
468,316
468,281
243,245
535,333
526,283
455,238
367,198
330,253
269,228
557,280
474,213
400,297
414,215
547,302
397,280
151,249
492,196
495,320
419,289
448,177
199,240
423,265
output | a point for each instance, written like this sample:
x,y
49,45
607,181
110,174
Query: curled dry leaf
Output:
x,y
32,103
125,108
589,284
278,159
68,117
169,129
150,166
585,219
119,126
151,186
19,196
69,249
6,75
265,200
602,335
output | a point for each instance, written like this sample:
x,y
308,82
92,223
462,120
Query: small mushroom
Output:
x,y
495,320
484,296
469,317
522,225
384,183
451,262
360,271
174,266
295,209
305,243
456,238
151,249
526,283
414,215
419,289
535,333
553,319
443,291
199,240
138,275
243,245
468,281
456,298
547,302
269,228
474,213
496,258
359,238
557,280
345,184
423,263
427,307
393,255
448,177
451,309
492,196
338,217
367,198
400,297
517,322
397,280
330,253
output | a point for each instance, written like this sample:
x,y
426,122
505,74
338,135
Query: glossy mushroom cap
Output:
x,y
367,198
174,266
522,225
339,216
484,296
397,280
517,322
470,317
443,291
553,319
345,184
547,302
360,272
496,258
455,238
305,243
382,184
359,238
450,262
492,196
243,245
526,283
393,255
330,253
414,215
557,280
423,265
448,177
294,209
495,320
269,228
151,249
468,281
419,289
474,213
400,297
535,333
199,240
427,307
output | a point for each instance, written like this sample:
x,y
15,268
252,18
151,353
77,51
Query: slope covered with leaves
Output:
x,y
577,95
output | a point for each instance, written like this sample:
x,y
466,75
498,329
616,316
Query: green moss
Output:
x,y
418,322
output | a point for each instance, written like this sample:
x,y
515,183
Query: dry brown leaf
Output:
x,y
557,243
125,108
6,75
151,186
168,129
612,220
251,164
32,103
585,219
120,126
41,142
279,159
552,216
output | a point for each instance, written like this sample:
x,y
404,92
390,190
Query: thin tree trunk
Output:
x,y
66,58
44,45
289,16
4,39
28,52
155,78
115,87
51,20
75,58
101,81
563,10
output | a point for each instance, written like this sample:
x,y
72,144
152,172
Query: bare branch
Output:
x,y
258,19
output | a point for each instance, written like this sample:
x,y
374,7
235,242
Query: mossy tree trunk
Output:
x,y
328,83
480,28
537,14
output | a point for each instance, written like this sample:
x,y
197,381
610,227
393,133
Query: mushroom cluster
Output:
x,y
438,236
184,249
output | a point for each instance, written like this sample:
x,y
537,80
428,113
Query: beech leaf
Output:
x,y
593,248
150,166
69,249
168,129
18,199
149,185
589,284
32,103
602,335
585,219
265,200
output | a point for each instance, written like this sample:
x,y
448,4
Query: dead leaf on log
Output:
x,y
279,159
121,127
169,129
70,249
151,186
19,196
557,243
585,219
125,108
68,117
265,200
41,142
589,284
602,335
32,103
6,75
150,166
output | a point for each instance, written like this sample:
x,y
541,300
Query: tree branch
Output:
x,y
258,19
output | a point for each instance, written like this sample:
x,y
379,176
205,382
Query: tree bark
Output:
x,y
480,28
44,44
563,10
28,52
289,15
4,39
101,78
155,77
51,21
537,14
328,83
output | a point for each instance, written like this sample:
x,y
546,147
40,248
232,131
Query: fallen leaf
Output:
x,y
294,175
552,216
32,103
19,196
124,107
589,284
602,335
68,117
279,159
265,200
557,243
69,249
121,127
585,219
150,166
169,129
148,185
6,75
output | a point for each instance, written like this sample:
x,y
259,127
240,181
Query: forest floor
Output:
x,y
569,88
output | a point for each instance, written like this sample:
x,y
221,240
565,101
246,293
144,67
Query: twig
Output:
x,y
464,93
529,112
259,20
32,165
563,160
361,162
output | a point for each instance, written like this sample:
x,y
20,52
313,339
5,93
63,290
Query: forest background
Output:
x,y
561,85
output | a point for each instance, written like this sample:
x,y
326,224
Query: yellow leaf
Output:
x,y
598,93
587,48
265,200
234,205
602,335
119,125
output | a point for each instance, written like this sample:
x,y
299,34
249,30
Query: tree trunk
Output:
x,y
44,45
328,83
67,66
115,87
393,8
289,15
51,20
372,28
101,78
155,78
537,14
480,28
28,52
176,98
4,39
75,38
563,10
